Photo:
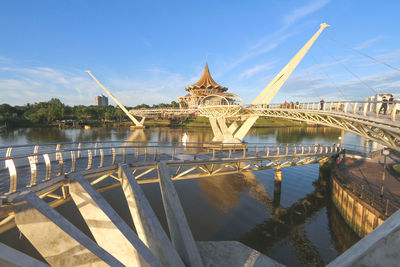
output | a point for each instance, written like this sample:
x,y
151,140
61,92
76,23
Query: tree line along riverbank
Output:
x,y
54,113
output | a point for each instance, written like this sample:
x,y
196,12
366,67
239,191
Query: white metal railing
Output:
x,y
156,111
364,108
46,161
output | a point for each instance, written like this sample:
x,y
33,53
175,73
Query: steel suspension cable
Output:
x,y
364,54
352,73
322,69
312,83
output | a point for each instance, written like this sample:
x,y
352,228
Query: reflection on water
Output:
x,y
170,135
297,227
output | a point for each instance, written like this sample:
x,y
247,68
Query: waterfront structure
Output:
x,y
205,87
101,100
117,244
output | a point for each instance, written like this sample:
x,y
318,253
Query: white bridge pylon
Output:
x,y
135,121
236,132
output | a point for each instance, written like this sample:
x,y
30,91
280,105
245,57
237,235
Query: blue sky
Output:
x,y
149,51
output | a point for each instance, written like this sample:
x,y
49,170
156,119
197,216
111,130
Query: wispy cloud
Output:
x,y
311,89
303,11
273,40
367,43
257,50
255,70
26,84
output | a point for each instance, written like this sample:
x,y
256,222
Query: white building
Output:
x,y
101,100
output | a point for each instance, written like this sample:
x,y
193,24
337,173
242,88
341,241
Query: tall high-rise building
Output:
x,y
101,100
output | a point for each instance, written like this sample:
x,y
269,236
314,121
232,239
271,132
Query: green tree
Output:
x,y
55,110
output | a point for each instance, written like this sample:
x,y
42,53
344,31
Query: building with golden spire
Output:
x,y
206,86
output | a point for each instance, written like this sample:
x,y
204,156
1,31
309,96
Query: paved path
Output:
x,y
368,172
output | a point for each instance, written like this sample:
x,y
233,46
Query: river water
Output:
x,y
300,227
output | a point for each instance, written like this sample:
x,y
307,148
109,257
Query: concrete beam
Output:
x,y
13,257
218,137
232,254
56,239
379,248
107,227
146,222
181,235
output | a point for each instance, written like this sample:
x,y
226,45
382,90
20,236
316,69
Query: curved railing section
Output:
x,y
162,111
369,109
25,166
359,117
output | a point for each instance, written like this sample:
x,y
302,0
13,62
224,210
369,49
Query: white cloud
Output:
x,y
262,47
299,87
273,40
301,12
21,85
367,43
254,70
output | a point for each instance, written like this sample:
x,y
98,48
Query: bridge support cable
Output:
x,y
137,123
312,85
323,71
348,70
272,89
364,54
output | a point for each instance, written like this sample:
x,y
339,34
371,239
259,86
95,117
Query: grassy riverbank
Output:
x,y
204,122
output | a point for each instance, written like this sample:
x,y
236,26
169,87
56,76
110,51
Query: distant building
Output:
x,y
101,100
206,86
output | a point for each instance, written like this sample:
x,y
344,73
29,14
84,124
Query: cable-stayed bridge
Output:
x,y
359,117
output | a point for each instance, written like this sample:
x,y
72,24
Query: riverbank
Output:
x,y
201,122
362,194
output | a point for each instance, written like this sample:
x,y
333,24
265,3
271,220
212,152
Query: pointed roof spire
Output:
x,y
206,82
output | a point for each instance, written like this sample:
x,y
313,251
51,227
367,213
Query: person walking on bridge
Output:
x,y
384,105
322,102
391,99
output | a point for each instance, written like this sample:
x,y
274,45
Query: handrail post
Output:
x,y
13,175
124,154
114,155
73,161
48,166
35,151
8,154
101,158
59,157
90,159
32,163
95,149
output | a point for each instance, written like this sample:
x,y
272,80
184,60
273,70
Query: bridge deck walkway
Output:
x,y
24,170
